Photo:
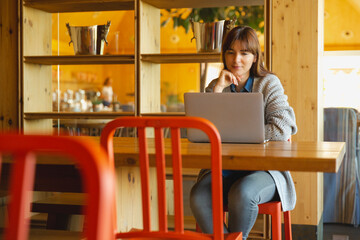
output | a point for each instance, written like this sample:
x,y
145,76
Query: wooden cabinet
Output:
x,y
37,58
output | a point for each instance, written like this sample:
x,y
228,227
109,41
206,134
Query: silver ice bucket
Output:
x,y
88,40
209,35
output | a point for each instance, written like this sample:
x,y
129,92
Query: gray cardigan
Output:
x,y
280,124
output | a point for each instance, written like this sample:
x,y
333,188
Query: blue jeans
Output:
x,y
242,192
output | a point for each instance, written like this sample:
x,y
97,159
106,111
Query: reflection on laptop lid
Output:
x,y
239,117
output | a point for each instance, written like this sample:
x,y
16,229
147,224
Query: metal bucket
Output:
x,y
209,35
88,40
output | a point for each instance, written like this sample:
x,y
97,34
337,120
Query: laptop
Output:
x,y
239,117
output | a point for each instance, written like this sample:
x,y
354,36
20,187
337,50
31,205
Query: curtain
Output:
x,y
341,189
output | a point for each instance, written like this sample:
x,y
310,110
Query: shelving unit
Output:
x,y
37,59
37,62
147,59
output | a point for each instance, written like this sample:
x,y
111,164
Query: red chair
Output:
x,y
273,209
174,123
98,179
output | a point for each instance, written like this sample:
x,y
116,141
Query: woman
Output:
x,y
107,92
244,71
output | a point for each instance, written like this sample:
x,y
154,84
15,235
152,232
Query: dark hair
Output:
x,y
107,80
249,40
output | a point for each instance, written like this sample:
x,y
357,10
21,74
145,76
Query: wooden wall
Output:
x,y
297,40
9,70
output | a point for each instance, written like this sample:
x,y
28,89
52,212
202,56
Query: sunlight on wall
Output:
x,y
342,79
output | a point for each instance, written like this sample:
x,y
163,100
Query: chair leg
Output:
x,y
287,225
276,225
198,228
273,209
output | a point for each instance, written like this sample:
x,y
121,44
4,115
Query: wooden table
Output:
x,y
293,156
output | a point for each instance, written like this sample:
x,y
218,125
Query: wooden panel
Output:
x,y
128,198
36,32
54,6
296,38
9,68
37,78
149,73
181,57
202,3
37,88
80,60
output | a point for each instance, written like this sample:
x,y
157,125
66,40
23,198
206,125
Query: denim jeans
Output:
x,y
242,190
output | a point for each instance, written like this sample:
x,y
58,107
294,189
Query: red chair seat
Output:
x,y
273,209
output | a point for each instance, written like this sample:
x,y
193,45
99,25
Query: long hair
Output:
x,y
107,80
250,42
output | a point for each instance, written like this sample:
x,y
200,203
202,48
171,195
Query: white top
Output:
x,y
107,93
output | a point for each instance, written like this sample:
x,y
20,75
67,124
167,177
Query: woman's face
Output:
x,y
238,60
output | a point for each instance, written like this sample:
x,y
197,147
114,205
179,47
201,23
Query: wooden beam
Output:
x,y
9,65
297,44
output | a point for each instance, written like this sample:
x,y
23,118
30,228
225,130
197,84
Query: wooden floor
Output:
x,y
341,232
331,231
38,222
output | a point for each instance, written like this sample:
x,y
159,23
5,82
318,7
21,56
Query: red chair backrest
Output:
x,y
98,179
174,123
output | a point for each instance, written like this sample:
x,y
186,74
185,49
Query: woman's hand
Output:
x,y
225,79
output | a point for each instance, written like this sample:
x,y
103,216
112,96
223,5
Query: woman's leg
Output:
x,y
200,203
244,196
200,199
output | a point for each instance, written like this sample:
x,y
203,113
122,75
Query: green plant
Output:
x,y
252,16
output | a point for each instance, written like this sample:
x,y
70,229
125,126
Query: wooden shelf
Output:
x,y
91,115
181,57
74,82
80,59
75,115
201,3
54,6
163,114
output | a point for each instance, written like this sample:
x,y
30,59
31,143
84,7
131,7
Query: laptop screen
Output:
x,y
239,117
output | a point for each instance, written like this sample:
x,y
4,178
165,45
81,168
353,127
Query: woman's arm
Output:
x,y
280,122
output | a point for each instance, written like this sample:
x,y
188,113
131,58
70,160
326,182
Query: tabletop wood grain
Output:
x,y
292,156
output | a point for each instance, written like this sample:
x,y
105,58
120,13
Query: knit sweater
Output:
x,y
280,124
